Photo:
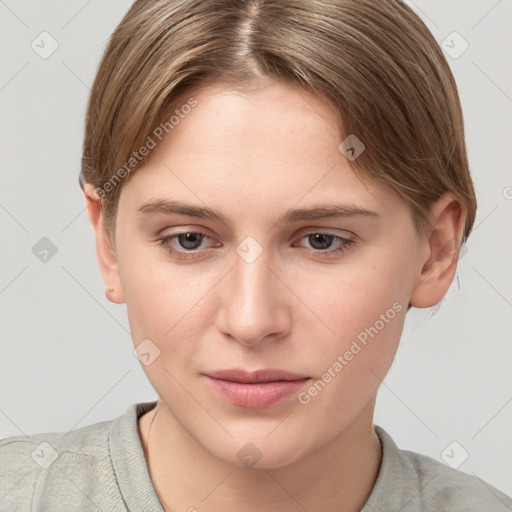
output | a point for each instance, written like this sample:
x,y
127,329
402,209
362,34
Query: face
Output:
x,y
248,243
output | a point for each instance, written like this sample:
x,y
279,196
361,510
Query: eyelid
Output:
x,y
301,234
172,236
343,245
343,233
178,230
166,240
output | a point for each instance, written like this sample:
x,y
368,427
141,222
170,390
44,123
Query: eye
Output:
x,y
189,243
190,240
183,243
321,243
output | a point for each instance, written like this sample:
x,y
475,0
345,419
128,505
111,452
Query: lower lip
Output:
x,y
256,395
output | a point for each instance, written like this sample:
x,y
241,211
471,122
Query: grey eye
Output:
x,y
190,240
320,241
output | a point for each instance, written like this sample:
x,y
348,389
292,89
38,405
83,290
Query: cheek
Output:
x,y
165,301
332,304
366,312
166,306
362,307
353,297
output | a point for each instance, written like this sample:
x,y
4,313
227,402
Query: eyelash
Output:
x,y
345,243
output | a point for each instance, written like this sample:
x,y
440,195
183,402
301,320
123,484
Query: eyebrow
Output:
x,y
315,212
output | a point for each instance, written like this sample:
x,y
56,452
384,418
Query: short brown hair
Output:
x,y
375,62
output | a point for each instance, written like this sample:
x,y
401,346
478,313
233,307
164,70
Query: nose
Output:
x,y
253,302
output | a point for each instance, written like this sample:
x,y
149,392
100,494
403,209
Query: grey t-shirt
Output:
x,y
101,467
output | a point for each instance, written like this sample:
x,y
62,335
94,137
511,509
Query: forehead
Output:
x,y
253,150
256,117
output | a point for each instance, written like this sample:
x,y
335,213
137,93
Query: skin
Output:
x,y
251,156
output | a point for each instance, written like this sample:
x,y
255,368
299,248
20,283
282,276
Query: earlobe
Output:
x,y
438,270
105,252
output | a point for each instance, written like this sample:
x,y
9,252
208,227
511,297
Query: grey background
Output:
x,y
66,352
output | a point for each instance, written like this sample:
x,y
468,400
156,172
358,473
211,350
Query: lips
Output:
x,y
239,375
255,389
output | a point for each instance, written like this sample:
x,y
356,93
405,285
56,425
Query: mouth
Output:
x,y
255,389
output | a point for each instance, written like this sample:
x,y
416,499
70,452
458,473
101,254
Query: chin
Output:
x,y
258,451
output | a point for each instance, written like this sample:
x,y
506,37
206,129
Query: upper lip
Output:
x,y
266,375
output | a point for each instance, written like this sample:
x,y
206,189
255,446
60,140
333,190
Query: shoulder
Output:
x,y
455,490
68,470
421,483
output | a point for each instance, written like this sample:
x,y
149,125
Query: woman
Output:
x,y
272,186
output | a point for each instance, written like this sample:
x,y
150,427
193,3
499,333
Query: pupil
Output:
x,y
190,240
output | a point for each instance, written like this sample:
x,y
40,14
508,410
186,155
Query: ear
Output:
x,y
105,250
443,241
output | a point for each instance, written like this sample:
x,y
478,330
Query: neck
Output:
x,y
337,476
